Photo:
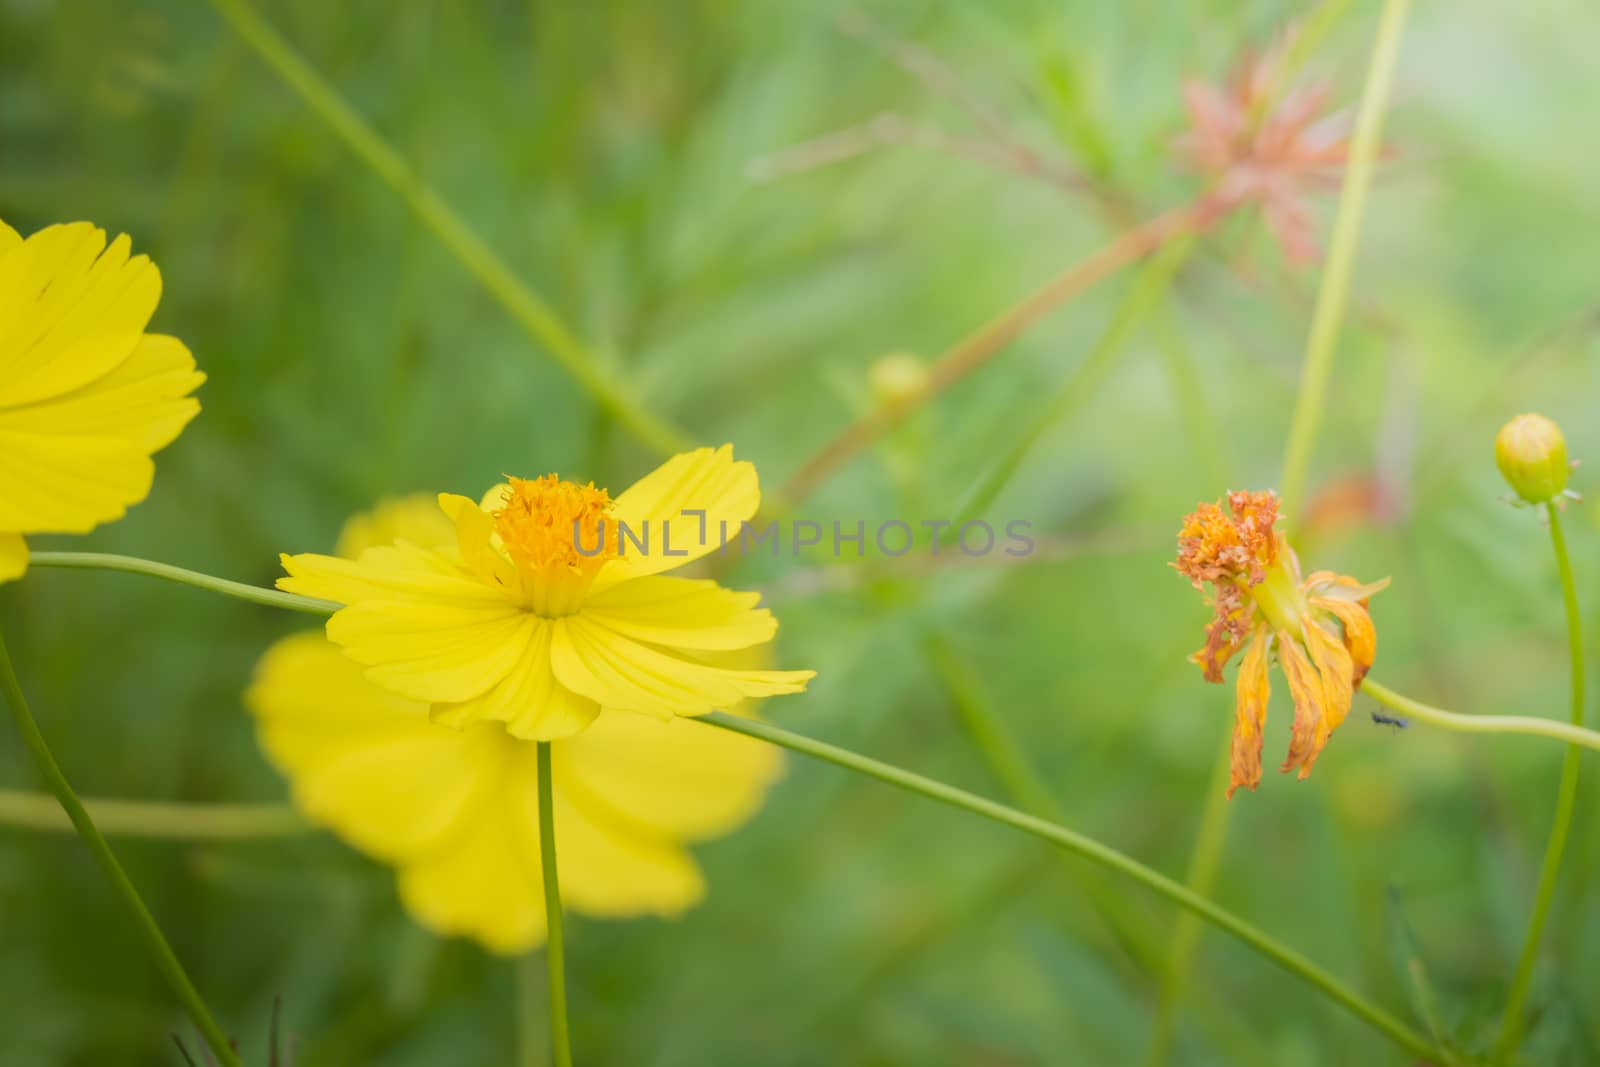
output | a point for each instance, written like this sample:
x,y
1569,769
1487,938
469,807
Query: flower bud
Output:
x,y
897,378
1532,456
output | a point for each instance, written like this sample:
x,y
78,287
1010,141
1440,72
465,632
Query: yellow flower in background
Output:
x,y
86,395
1318,626
456,810
547,604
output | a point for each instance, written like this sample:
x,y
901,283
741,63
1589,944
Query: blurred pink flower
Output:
x,y
1260,139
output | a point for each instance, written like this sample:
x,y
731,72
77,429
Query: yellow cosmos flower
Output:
x,y
1319,627
456,811
86,396
548,604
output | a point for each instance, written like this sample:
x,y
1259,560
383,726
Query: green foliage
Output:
x,y
621,157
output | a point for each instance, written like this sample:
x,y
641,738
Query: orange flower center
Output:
x,y
1250,568
1238,544
547,525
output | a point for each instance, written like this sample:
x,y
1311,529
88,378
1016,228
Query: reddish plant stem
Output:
x,y
979,347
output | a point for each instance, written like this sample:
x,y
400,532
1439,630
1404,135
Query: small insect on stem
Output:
x,y
1390,720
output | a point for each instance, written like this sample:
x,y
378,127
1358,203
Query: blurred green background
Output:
x,y
636,164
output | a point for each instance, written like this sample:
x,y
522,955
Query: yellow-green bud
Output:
x,y
1532,455
897,378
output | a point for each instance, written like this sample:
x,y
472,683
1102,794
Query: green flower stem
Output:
x,y
1147,290
165,960
154,819
530,1050
102,561
1332,296
1092,850
555,949
1532,725
1202,432
981,346
1008,760
1201,878
1566,801
1187,898
1309,34
988,730
527,308
1449,720
1334,292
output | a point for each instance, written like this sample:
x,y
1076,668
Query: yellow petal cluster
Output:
x,y
1318,626
455,811
86,395
523,619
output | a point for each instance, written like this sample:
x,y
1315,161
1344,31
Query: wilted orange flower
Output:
x,y
1261,140
1319,627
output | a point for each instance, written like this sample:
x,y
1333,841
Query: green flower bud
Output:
x,y
1532,456
897,378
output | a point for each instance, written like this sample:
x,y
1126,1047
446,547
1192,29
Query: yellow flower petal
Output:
x,y
679,778
144,401
1250,714
473,529
1305,686
1342,586
1360,636
79,459
621,673
706,480
465,625
484,881
609,867
71,309
13,554
396,572
1333,665
85,395
456,810
415,518
495,498
363,762
439,651
529,700
683,613
68,484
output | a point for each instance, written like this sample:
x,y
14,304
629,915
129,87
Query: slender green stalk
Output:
x,y
1335,289
555,947
989,732
1309,34
527,308
1092,850
102,561
846,996
165,959
1202,878
1008,760
981,346
1566,802
1332,297
1202,433
1448,720
529,1048
1481,724
151,568
1147,289
154,819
